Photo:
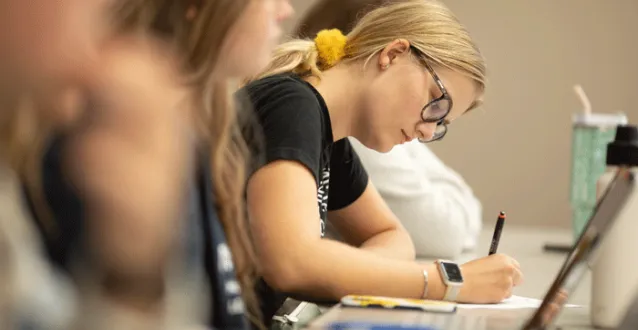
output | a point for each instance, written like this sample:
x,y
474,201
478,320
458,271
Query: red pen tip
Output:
x,y
501,215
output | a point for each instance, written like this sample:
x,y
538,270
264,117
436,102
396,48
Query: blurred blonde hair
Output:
x,y
428,25
197,40
196,30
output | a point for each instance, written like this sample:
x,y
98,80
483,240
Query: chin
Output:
x,y
376,144
388,149
384,147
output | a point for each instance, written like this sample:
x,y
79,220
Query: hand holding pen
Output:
x,y
492,278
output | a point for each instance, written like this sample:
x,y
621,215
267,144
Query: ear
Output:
x,y
392,51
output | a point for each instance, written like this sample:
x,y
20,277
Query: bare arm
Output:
x,y
369,224
284,219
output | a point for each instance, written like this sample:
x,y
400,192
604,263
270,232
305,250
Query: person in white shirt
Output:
x,y
433,202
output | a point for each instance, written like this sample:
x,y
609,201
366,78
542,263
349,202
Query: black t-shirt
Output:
x,y
296,126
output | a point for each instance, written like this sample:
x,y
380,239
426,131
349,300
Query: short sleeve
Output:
x,y
348,178
291,122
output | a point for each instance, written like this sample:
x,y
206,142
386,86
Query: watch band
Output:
x,y
451,292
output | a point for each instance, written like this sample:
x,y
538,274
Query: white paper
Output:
x,y
513,302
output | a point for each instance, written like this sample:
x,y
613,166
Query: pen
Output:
x,y
497,232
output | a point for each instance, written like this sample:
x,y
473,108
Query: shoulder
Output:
x,y
292,119
283,94
289,111
343,150
280,84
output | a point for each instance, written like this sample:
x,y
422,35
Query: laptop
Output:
x,y
565,282
583,251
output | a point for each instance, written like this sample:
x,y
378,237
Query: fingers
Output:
x,y
518,273
517,277
514,268
516,264
491,279
509,294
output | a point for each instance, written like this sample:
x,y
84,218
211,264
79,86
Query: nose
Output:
x,y
285,10
426,131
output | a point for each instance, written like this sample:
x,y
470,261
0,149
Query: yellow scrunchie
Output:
x,y
331,45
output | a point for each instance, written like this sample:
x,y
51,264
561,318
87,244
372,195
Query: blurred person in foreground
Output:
x,y
35,62
435,205
55,58
210,42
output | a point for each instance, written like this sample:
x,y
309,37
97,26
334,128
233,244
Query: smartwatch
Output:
x,y
452,277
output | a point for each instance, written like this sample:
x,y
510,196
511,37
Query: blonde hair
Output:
x,y
428,25
197,42
196,30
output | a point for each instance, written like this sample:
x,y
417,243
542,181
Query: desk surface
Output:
x,y
539,268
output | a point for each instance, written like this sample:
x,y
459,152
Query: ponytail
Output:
x,y
428,25
307,57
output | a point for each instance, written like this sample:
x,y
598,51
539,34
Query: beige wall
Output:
x,y
515,151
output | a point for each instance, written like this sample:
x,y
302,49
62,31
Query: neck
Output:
x,y
341,93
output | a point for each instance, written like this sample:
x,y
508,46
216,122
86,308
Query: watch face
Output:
x,y
453,272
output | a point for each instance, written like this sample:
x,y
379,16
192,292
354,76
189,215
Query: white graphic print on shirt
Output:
x,y
225,267
322,197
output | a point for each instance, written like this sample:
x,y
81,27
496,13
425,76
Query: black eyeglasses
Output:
x,y
438,109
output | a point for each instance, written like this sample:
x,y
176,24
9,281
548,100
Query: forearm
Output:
x,y
394,244
331,270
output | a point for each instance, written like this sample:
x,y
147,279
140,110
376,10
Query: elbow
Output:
x,y
284,273
403,244
409,249
281,279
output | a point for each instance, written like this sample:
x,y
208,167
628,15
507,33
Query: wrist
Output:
x,y
436,286
452,278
